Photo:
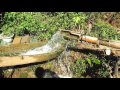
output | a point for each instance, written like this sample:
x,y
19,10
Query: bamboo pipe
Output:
x,y
90,39
67,34
101,42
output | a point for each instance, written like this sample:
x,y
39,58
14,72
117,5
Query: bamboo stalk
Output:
x,y
21,60
71,35
110,44
13,48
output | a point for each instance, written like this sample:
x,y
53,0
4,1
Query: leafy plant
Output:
x,y
78,68
90,66
42,24
103,30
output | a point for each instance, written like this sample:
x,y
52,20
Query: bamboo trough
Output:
x,y
6,61
21,60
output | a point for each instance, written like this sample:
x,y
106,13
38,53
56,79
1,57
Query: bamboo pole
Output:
x,y
21,60
101,42
71,35
115,52
110,44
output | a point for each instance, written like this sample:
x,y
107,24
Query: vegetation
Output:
x,y
43,25
104,30
89,67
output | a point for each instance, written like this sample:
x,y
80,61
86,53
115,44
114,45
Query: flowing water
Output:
x,y
55,43
63,63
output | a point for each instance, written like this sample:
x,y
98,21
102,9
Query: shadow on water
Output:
x,y
45,73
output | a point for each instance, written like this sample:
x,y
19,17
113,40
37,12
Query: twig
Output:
x,y
12,73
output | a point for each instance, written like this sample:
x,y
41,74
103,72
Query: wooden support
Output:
x,y
116,70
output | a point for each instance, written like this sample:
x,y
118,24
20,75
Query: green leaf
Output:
x,y
89,61
96,61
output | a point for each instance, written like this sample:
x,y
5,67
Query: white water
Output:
x,y
63,65
54,44
62,76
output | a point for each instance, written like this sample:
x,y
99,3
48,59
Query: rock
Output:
x,y
7,40
108,51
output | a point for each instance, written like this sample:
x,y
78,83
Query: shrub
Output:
x,y
103,30
89,66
